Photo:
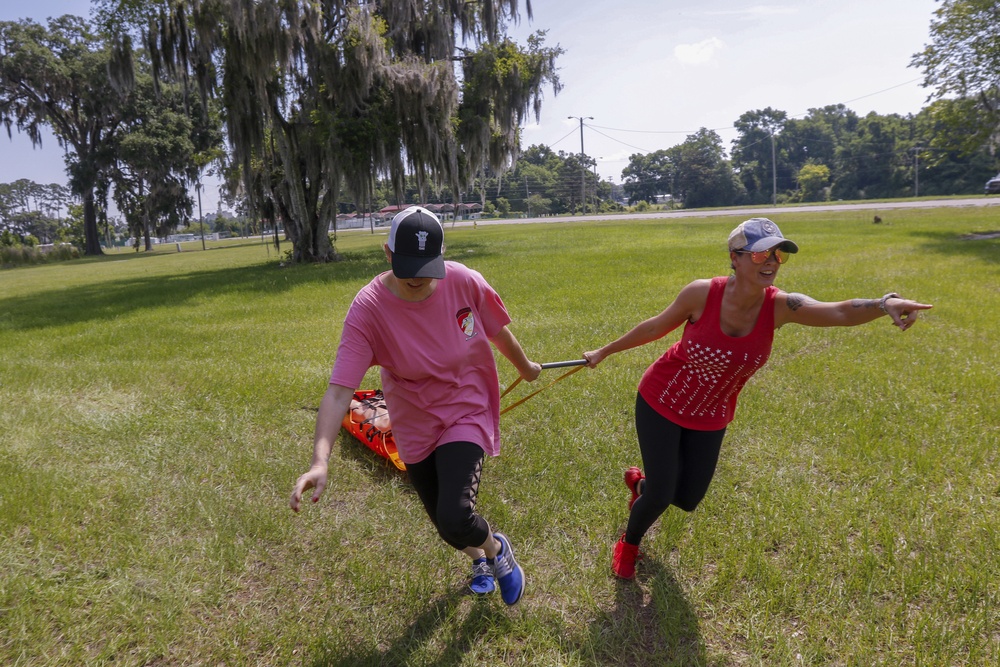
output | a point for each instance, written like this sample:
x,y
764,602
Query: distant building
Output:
x,y
464,211
356,221
468,211
442,211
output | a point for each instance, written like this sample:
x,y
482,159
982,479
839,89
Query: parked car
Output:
x,y
993,185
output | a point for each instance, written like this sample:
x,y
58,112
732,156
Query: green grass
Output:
x,y
155,410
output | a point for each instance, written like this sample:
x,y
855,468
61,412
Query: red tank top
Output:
x,y
696,382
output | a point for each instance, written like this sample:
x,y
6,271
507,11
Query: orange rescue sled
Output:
x,y
368,421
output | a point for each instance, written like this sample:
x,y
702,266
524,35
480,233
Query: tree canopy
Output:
x,y
58,76
324,96
963,60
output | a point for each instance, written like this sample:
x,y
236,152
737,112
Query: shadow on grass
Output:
x,y
419,641
983,244
662,630
109,300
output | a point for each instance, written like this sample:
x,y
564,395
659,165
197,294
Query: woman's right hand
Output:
x,y
315,478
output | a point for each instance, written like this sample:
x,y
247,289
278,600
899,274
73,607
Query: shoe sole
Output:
x,y
475,592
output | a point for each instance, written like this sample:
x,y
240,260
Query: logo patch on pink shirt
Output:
x,y
466,322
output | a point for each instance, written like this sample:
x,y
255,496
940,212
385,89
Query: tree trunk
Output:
x,y
145,218
304,193
91,238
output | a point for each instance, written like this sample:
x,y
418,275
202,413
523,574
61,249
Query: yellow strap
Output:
x,y
537,391
512,385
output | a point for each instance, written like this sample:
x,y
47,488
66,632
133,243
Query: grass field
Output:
x,y
155,410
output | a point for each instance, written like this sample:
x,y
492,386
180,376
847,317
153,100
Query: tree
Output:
x,y
755,153
343,92
873,162
704,176
165,142
813,179
949,159
963,59
503,206
569,187
59,77
815,138
539,205
30,209
538,168
648,175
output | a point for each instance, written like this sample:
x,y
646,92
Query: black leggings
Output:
x,y
447,483
678,463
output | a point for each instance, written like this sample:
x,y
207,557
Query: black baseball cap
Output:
x,y
416,239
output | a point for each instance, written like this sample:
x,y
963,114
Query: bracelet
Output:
x,y
890,295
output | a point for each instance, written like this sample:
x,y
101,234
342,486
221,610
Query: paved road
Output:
x,y
750,212
742,212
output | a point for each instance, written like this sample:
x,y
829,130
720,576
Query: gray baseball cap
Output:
x,y
757,234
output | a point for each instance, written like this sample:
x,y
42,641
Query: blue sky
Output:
x,y
650,72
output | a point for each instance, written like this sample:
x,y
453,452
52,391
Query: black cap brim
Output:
x,y
404,266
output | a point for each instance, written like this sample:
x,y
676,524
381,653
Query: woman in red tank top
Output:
x,y
687,397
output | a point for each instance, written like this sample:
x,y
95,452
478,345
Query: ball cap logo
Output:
x,y
758,234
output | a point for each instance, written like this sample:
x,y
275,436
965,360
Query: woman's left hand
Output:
x,y
904,312
534,370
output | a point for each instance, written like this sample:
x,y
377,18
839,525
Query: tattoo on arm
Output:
x,y
865,303
796,301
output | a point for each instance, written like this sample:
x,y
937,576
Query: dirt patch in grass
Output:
x,y
981,236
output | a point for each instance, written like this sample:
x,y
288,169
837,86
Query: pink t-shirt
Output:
x,y
696,382
438,372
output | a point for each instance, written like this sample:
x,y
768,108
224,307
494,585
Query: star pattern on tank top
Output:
x,y
706,363
707,379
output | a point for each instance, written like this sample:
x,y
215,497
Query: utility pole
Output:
x,y
527,195
583,169
916,170
774,174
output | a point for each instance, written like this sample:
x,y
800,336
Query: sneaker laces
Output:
x,y
503,564
481,568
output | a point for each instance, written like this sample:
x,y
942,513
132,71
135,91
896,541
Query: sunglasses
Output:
x,y
760,257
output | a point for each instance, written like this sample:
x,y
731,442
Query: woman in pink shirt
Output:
x,y
688,396
428,325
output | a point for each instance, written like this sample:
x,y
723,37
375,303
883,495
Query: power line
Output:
x,y
727,127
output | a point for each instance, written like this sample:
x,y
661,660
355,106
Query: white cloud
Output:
x,y
700,52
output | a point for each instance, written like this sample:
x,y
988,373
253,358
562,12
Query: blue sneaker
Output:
x,y
508,573
482,577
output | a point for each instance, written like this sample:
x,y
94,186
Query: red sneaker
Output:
x,y
632,478
623,559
